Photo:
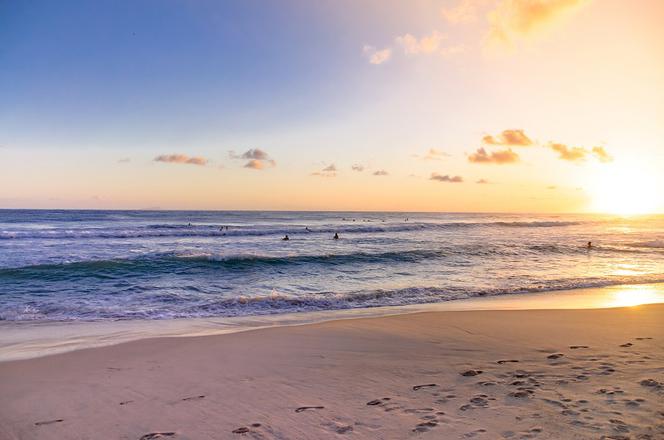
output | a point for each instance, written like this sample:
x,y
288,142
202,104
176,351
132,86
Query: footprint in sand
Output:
x,y
154,435
555,356
475,433
305,408
651,383
378,401
418,410
577,347
244,429
425,426
344,429
428,385
506,361
626,345
471,373
192,398
126,402
49,422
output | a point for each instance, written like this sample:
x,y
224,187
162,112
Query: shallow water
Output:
x,y
91,265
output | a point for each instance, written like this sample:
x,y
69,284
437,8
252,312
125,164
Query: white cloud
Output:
x,y
377,56
427,44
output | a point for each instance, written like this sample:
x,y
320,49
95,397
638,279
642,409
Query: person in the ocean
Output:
x,y
590,245
336,236
307,228
286,238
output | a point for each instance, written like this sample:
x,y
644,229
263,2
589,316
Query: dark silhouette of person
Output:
x,y
590,245
336,236
286,238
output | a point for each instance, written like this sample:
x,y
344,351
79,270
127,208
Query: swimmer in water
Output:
x,y
285,238
590,245
336,236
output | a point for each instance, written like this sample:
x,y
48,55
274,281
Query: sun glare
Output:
x,y
624,191
635,296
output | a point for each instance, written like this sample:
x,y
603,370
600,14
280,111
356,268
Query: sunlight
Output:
x,y
623,191
634,296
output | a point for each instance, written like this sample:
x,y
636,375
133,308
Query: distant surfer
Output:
x,y
336,236
307,229
285,238
590,245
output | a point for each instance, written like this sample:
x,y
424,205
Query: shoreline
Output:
x,y
506,374
29,339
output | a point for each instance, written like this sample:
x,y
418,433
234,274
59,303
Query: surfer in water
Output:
x,y
336,236
590,245
285,238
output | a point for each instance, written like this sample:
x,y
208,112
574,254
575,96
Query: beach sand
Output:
x,y
545,374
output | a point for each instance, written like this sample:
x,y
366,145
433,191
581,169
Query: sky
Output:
x,y
420,105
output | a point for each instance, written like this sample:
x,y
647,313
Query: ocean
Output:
x,y
63,265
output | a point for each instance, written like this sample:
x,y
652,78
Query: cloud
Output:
x,y
512,19
482,181
511,137
446,178
256,158
181,158
380,173
496,157
253,153
572,154
412,45
358,167
432,154
464,12
255,164
328,171
580,154
601,154
377,56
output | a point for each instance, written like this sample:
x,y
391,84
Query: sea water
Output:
x,y
109,265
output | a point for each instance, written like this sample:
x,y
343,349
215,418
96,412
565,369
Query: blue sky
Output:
x,y
93,92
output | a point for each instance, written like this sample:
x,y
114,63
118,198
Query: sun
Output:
x,y
624,191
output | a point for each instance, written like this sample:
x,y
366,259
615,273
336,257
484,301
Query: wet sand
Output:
x,y
545,374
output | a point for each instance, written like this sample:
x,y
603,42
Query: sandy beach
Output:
x,y
548,374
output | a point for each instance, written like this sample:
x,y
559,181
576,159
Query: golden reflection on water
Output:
x,y
630,296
